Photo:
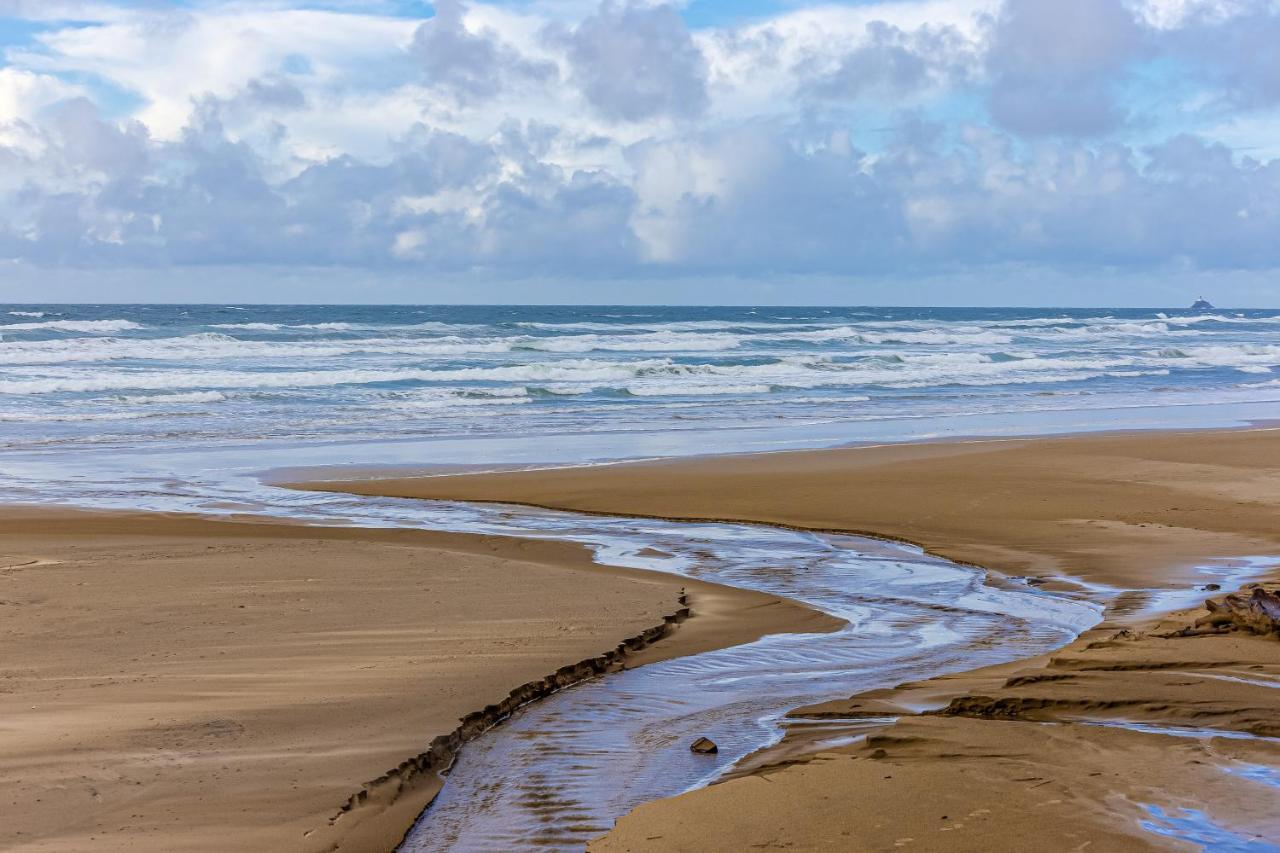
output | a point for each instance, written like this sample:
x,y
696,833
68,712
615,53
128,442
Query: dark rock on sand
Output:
x,y
704,746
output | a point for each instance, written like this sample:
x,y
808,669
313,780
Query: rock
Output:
x,y
1211,587
704,746
879,753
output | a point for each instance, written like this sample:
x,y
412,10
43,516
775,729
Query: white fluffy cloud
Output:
x,y
23,94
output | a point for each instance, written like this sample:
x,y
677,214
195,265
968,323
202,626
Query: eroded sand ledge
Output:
x,y
175,683
1018,752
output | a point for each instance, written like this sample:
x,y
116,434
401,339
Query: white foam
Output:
x,y
651,342
94,326
693,389
212,345
158,380
273,327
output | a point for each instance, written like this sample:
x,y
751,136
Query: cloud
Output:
x,y
635,62
891,62
1054,65
169,58
762,197
609,139
471,66
23,94
1236,54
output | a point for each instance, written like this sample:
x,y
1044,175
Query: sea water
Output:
x,y
127,377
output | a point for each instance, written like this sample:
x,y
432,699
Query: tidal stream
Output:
x,y
561,771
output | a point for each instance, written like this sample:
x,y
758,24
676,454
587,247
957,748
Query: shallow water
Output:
x,y
1197,828
563,770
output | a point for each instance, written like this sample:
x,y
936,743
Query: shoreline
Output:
x,y
820,491
1214,478
321,670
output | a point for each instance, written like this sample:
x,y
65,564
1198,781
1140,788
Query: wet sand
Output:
x,y
175,683
1129,510
1075,750
1018,751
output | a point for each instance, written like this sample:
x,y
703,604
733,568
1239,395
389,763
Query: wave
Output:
x,y
453,398
694,389
36,314
170,399
93,326
157,380
632,371
654,342
71,417
207,345
891,369
675,326
273,327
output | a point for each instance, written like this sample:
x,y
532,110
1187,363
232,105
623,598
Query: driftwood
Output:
x,y
1258,612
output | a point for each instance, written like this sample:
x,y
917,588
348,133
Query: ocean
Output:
x,y
150,375
111,394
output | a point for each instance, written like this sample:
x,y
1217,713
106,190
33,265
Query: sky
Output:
x,y
962,152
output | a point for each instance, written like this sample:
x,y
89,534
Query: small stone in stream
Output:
x,y
879,753
1212,587
704,746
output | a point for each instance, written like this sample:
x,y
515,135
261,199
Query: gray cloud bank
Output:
x,y
1043,183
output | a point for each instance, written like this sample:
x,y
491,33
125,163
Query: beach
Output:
x,y
179,683
212,657
641,426
1023,747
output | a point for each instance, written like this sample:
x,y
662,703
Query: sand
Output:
x,y
1017,757
1129,510
1013,757
182,684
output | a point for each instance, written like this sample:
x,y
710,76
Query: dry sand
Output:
x,y
176,683
1015,758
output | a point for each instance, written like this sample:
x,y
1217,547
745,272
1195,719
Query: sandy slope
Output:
x,y
175,683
